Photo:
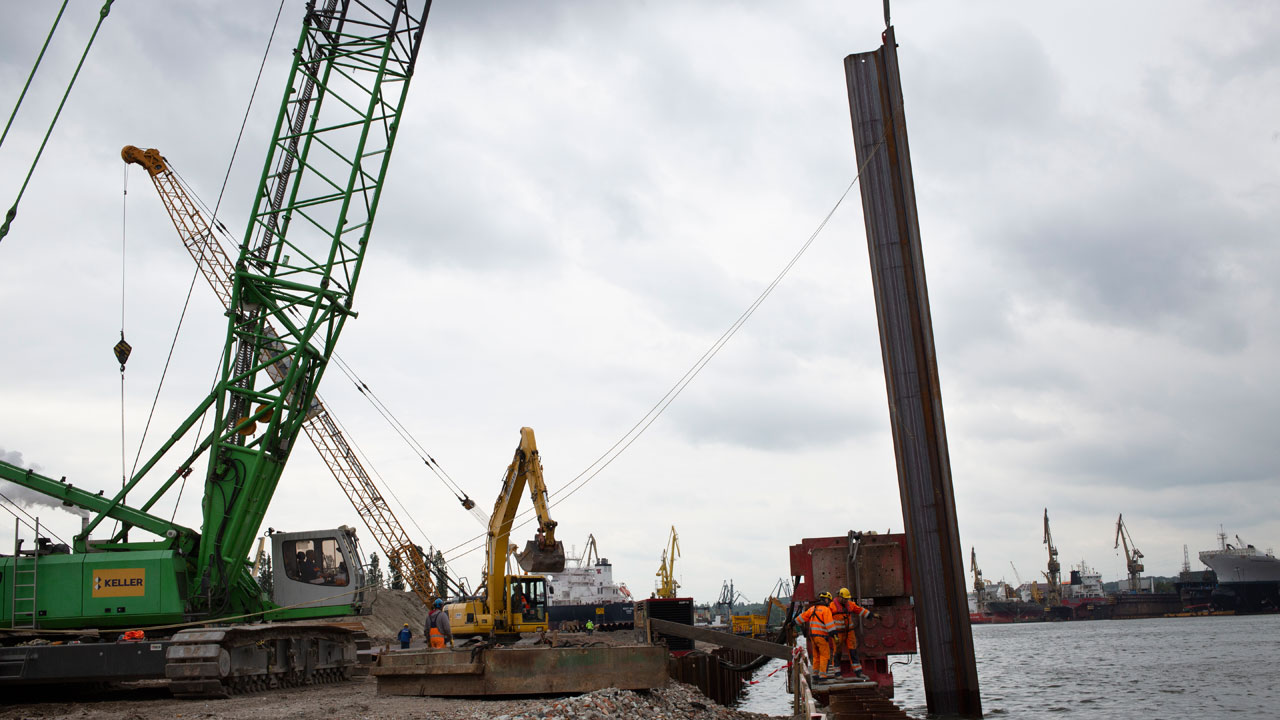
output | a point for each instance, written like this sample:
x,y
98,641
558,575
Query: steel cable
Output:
x,y
624,442
13,211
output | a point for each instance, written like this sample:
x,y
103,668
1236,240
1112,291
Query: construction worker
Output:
x,y
818,627
438,630
844,611
405,634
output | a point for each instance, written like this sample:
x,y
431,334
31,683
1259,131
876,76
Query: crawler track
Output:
x,y
238,659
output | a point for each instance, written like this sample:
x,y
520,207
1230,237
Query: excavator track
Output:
x,y
224,661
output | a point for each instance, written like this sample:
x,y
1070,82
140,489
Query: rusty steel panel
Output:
x,y
830,569
881,571
893,634
911,380
802,572
521,671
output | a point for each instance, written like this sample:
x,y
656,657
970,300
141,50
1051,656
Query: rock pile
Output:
x,y
677,701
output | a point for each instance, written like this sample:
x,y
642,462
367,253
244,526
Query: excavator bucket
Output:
x,y
539,560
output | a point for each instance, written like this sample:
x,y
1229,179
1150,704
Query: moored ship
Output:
x,y
1083,598
1248,579
584,591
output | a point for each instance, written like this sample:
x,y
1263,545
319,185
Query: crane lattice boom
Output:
x,y
321,427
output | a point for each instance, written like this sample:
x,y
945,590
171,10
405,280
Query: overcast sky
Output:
x,y
585,195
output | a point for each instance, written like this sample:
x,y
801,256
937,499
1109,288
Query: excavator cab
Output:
x,y
316,568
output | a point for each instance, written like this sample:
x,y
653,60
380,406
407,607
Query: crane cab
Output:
x,y
315,571
525,598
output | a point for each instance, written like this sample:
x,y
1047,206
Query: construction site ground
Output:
x,y
359,698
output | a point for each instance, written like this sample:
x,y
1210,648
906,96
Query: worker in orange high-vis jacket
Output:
x,y
818,627
844,615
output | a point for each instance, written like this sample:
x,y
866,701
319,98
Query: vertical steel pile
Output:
x,y
911,377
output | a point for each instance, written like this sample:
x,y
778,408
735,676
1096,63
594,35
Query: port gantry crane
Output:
x,y
325,166
729,597
979,587
1053,596
667,584
403,555
1132,555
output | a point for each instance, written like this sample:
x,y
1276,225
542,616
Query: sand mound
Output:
x,y
391,610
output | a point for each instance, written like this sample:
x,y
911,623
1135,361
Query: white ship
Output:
x,y
585,590
1248,579
1241,563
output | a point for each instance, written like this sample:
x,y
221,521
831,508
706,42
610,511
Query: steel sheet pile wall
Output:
x,y
911,378
704,671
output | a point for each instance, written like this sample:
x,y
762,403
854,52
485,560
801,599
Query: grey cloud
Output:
x,y
772,411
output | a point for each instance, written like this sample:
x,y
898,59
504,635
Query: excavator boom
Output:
x,y
544,553
512,604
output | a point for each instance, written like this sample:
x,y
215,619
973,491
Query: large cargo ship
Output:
x,y
584,591
1083,597
1248,579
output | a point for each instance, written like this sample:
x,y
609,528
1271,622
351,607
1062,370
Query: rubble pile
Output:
x,y
677,701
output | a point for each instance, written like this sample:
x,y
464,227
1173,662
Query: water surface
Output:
x,y
1200,668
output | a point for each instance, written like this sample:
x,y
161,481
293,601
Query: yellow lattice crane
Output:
x,y
667,584
321,427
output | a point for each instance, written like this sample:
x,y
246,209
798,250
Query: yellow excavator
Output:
x,y
508,605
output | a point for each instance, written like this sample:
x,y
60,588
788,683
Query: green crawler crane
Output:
x,y
297,270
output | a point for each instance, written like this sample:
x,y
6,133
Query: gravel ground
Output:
x,y
359,699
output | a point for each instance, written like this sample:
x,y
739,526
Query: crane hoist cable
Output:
x,y
122,348
215,234
364,458
217,225
173,344
245,120
624,442
164,372
195,443
13,211
363,388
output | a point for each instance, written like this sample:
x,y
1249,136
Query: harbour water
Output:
x,y
1158,669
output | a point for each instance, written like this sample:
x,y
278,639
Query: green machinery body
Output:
x,y
116,590
297,270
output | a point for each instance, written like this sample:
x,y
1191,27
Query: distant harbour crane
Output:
x,y
1132,555
1053,597
667,584
979,599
